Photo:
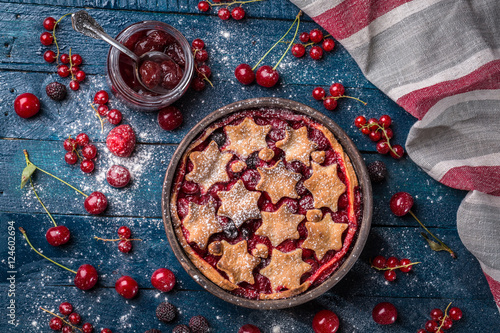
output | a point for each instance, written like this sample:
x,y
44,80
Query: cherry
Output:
x,y
64,58
101,97
46,38
316,52
80,76
203,6
115,116
121,141
316,35
224,14
392,262
244,74
397,151
26,105
304,37
125,246
124,232
163,279
318,93
382,147
169,118
74,85
86,277
103,110
75,318
96,203
431,326
238,13
379,262
65,308
204,71
87,166
401,203
127,287
89,151
360,121
404,262
455,313
390,275
325,321
201,55
76,59
49,23
249,328
298,50
118,176
58,235
385,121
87,328
384,313
328,44
266,76
56,324
330,103
49,56
198,44
337,90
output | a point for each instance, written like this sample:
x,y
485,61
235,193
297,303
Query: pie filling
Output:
x,y
266,204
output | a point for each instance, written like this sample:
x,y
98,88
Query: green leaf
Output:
x,y
27,172
434,245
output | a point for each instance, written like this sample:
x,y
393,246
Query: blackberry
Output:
x,y
377,171
56,91
199,324
181,329
230,230
252,161
219,138
153,331
166,312
245,233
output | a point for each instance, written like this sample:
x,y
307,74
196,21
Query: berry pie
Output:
x,y
265,203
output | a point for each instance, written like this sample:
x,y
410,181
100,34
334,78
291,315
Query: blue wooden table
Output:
x,y
434,283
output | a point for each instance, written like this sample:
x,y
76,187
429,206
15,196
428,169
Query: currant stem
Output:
x,y
54,35
290,45
396,267
71,65
265,55
117,239
232,3
444,317
52,261
98,116
48,173
64,321
41,203
430,233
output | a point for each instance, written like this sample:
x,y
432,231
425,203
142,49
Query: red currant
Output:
x,y
455,313
384,313
390,275
392,262
87,166
382,147
224,14
201,55
124,232
87,328
80,76
203,6
70,157
431,326
238,13
325,321
298,50
379,262
401,203
375,136
64,58
114,116
360,121
397,151
389,133
46,38
204,71
75,318
101,97
67,329
330,103
74,85
169,118
76,60
65,308
365,130
328,44
318,93
337,90
125,246
385,121
103,110
56,324
304,37
26,105
49,23
406,269
89,151
163,279
63,71
244,74
69,144
447,323
127,287
316,35
316,52
421,331
49,56
198,44
373,124
198,84
266,76
82,139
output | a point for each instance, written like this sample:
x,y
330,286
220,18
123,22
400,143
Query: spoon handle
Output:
x,y
85,24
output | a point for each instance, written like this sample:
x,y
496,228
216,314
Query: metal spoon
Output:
x,y
85,24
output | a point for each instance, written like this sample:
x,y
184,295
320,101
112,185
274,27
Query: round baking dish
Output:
x,y
364,184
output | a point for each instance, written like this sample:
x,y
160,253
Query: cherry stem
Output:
x,y
98,116
48,173
265,55
444,317
54,35
116,240
64,321
232,3
396,267
290,45
446,248
41,203
52,261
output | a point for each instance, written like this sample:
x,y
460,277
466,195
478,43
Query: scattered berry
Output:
x,y
379,262
390,275
406,265
163,279
80,76
76,59
360,121
330,103
69,144
204,71
26,105
198,84
56,91
87,328
127,287
249,328
74,85
385,121
58,235
401,203
124,232
431,326
325,321
198,44
64,58
201,55
455,313
86,277
118,176
304,37
316,35
244,74
328,45
266,76
96,203
103,110
199,324
397,151
166,312
337,90
89,151
121,141
384,313
82,139
169,118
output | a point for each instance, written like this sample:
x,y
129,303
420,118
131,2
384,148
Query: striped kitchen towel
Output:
x,y
440,61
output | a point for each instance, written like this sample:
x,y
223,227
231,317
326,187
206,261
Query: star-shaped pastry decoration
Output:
x,y
278,182
237,262
285,269
201,222
324,235
280,225
297,145
209,166
239,204
325,186
246,137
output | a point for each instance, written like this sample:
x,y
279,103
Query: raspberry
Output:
x,y
181,329
199,324
166,312
56,91
121,141
377,171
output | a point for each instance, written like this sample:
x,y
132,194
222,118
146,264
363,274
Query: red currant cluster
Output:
x,y
125,242
440,321
201,57
73,60
237,13
337,91
87,150
69,321
380,132
315,36
391,264
114,116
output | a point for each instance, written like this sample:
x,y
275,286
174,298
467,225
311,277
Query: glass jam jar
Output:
x,y
121,71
